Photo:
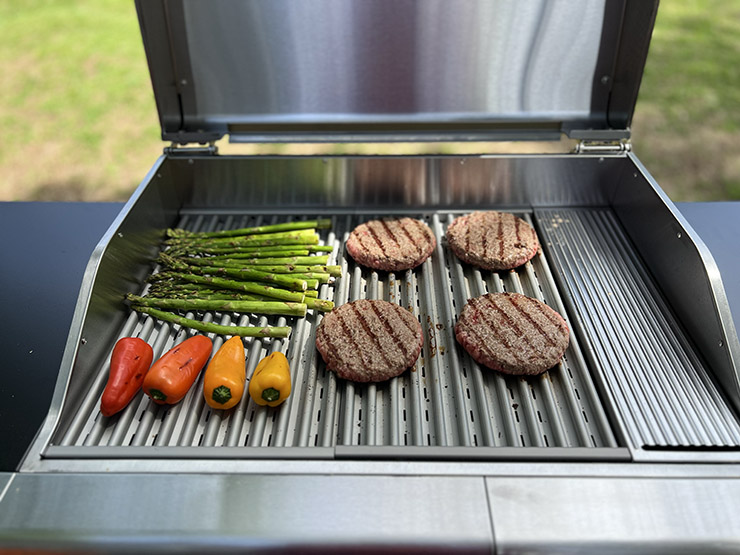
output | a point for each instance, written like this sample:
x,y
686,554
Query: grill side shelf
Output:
x,y
444,401
664,395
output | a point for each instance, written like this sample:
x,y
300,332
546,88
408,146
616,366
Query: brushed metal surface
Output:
x,y
176,513
685,270
665,394
597,515
271,69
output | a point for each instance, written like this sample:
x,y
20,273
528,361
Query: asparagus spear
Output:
x,y
178,290
289,226
210,327
306,236
255,307
272,261
276,250
244,286
246,274
332,270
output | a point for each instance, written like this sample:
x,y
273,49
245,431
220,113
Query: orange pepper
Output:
x,y
223,382
170,378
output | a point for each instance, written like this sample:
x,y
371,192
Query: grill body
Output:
x,y
643,405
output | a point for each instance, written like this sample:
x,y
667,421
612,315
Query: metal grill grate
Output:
x,y
445,400
665,396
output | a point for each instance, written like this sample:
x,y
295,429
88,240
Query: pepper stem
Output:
x,y
157,395
221,394
270,394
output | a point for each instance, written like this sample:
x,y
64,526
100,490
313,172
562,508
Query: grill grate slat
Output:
x,y
446,399
665,396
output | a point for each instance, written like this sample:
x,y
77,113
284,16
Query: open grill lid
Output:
x,y
276,70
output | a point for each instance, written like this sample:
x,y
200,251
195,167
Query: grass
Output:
x,y
687,120
79,122
76,106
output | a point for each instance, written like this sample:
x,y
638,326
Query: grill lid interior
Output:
x,y
274,70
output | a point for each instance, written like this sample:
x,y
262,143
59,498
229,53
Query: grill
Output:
x,y
632,440
445,400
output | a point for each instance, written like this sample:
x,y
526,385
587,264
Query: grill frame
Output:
x,y
177,186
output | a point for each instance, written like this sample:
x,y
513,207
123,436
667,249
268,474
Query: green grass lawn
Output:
x,y
78,118
687,120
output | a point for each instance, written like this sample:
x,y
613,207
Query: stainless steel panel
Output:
x,y
662,390
273,70
197,513
607,515
685,271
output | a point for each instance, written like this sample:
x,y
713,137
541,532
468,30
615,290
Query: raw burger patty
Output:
x,y
369,340
512,333
492,240
391,244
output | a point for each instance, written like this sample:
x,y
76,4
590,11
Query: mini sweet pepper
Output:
x,y
270,383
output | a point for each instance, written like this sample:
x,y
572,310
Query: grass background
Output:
x,y
78,120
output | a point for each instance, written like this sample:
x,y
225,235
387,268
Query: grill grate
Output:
x,y
446,400
665,396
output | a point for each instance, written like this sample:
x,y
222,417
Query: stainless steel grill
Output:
x,y
641,414
445,400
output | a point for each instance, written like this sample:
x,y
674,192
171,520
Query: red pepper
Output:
x,y
129,363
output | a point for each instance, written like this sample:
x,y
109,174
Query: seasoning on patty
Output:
x,y
391,244
492,240
369,340
512,333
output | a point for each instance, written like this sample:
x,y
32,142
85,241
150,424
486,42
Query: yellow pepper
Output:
x,y
270,383
223,382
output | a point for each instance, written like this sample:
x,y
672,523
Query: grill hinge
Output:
x,y
205,150
603,147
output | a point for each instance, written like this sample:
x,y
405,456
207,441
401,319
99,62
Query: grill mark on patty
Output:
x,y
549,315
391,234
482,343
410,237
512,324
377,240
500,237
529,318
352,360
390,329
467,236
484,241
492,324
373,337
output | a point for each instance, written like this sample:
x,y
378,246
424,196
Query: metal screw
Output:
x,y
721,343
605,79
678,235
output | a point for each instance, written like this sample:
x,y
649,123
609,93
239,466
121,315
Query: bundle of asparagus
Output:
x,y
270,269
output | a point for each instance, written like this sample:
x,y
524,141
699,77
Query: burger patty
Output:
x,y
492,240
391,244
369,340
512,333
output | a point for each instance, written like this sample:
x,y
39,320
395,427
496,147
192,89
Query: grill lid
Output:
x,y
276,70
